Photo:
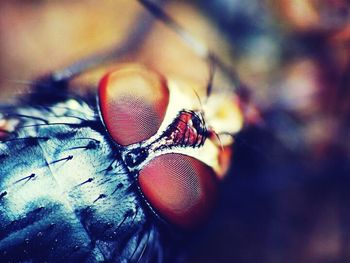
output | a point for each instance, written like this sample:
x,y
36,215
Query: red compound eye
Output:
x,y
133,102
181,188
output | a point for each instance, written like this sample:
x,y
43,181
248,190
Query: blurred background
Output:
x,y
286,198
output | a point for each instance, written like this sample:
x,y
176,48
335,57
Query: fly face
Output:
x,y
102,180
163,141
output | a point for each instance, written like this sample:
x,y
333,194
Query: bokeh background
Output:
x,y
287,196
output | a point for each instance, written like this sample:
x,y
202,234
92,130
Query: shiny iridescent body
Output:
x,y
64,193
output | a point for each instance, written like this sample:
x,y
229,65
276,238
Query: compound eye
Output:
x,y
133,102
180,188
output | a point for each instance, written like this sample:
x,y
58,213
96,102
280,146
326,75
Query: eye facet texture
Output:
x,y
180,188
133,102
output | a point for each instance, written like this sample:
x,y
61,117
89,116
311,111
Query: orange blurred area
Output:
x,y
40,37
313,15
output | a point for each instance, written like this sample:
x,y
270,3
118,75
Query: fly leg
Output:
x,y
195,44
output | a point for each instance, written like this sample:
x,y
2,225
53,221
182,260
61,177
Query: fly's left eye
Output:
x,y
133,102
180,188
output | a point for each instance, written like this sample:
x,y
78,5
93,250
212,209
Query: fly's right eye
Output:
x,y
133,102
180,188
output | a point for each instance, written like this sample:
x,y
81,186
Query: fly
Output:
x,y
108,179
